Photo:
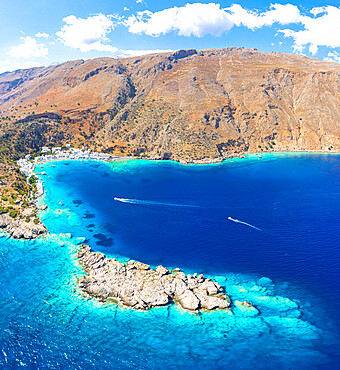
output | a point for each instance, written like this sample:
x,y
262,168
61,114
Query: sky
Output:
x,y
41,32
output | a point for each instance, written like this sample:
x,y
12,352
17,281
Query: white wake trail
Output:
x,y
244,223
151,203
125,200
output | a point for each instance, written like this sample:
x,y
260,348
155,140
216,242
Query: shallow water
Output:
x,y
178,216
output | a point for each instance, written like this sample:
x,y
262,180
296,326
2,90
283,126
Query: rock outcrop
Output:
x,y
136,285
20,229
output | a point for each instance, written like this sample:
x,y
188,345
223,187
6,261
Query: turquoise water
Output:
x,y
178,216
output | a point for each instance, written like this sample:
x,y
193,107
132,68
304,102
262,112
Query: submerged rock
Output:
x,y
136,285
245,308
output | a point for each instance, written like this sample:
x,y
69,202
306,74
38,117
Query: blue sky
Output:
x,y
39,32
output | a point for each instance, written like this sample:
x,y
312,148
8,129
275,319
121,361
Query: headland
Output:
x,y
136,285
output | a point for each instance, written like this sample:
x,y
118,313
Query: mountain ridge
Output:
x,y
183,105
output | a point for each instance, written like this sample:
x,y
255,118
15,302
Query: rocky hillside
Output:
x,y
184,105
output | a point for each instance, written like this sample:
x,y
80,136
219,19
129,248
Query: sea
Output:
x,y
265,227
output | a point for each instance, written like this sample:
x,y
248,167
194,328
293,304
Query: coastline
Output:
x,y
29,230
239,156
20,229
259,155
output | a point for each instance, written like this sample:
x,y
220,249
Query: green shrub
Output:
x,y
32,180
27,219
13,213
36,221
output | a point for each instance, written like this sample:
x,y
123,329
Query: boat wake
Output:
x,y
151,203
243,223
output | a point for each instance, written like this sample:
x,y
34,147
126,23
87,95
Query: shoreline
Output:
x,y
243,156
28,230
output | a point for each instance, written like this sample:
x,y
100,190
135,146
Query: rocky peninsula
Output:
x,y
136,285
27,228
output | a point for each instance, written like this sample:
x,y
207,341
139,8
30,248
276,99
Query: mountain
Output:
x,y
184,105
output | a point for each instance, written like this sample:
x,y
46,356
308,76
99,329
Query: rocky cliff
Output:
x,y
184,105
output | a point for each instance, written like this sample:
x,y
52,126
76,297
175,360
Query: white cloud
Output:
x,y
313,49
28,48
321,30
282,14
333,57
43,35
317,10
192,19
87,34
12,65
201,19
197,19
125,9
134,53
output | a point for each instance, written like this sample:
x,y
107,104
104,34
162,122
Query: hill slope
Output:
x,y
184,105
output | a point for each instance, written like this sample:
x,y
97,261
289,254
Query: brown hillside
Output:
x,y
184,105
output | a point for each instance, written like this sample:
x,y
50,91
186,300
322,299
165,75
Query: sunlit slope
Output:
x,y
185,105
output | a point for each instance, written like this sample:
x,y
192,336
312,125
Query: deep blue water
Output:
x,y
177,215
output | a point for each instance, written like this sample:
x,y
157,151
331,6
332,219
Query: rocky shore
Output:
x,y
136,285
20,229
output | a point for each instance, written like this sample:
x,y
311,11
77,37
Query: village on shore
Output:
x,y
19,214
28,163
